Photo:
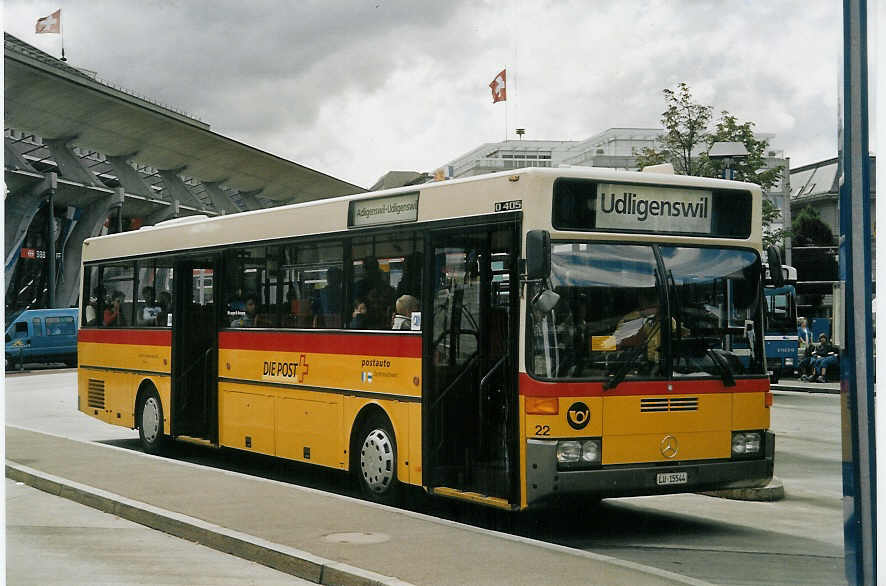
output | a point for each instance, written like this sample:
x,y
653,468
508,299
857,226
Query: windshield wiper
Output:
x,y
723,367
623,370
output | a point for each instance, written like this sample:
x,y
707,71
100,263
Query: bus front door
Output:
x,y
470,402
195,350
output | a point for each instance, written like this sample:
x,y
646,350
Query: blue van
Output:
x,y
42,335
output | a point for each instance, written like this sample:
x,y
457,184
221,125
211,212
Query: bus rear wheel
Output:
x,y
150,423
375,460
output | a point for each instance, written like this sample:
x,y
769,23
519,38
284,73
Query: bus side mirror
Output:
x,y
538,255
774,262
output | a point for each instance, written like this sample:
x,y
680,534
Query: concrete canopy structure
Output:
x,y
51,99
82,149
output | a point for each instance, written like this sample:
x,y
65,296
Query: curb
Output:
x,y
774,491
812,390
279,557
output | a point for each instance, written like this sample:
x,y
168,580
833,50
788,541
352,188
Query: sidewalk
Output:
x,y
317,536
54,541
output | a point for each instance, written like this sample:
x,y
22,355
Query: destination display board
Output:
x,y
586,205
393,209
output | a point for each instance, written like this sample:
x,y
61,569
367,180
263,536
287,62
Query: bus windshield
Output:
x,y
781,310
633,311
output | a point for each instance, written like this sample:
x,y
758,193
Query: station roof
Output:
x,y
50,98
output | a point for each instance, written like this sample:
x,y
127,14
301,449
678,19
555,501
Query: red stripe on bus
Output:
x,y
529,387
124,336
400,346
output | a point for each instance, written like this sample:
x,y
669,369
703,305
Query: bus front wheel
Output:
x,y
150,423
375,460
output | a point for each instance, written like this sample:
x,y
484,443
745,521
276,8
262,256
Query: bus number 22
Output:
x,y
542,430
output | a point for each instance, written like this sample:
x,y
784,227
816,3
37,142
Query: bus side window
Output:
x,y
118,303
385,268
312,279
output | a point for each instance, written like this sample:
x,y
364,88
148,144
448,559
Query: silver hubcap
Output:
x,y
151,419
377,461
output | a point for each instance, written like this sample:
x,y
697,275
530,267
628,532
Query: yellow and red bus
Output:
x,y
502,339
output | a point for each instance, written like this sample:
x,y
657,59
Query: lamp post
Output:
x,y
727,152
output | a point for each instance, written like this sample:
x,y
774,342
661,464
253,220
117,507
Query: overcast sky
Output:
x,y
355,89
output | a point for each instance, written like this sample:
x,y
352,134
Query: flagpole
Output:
x,y
61,32
506,105
506,120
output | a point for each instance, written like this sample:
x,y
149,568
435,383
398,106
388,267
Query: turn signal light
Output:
x,y
767,399
542,405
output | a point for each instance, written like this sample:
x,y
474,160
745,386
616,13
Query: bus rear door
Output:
x,y
195,350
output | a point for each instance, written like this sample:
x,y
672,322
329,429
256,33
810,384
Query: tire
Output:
x,y
374,460
150,423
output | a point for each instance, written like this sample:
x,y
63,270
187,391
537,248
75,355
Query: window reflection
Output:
x,y
612,321
716,304
609,313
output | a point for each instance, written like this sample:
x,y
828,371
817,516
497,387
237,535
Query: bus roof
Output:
x,y
331,215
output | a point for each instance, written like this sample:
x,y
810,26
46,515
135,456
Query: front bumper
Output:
x,y
544,481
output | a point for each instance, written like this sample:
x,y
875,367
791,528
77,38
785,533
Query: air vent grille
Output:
x,y
665,404
96,394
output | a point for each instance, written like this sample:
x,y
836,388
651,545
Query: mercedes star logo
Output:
x,y
669,446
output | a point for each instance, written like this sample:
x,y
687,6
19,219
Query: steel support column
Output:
x,y
220,199
250,200
51,237
19,211
177,190
856,361
71,166
162,214
129,177
92,218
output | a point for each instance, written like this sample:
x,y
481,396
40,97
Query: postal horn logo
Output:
x,y
578,415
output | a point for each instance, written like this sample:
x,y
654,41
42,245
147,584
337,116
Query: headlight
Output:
x,y
746,443
568,452
590,451
788,361
579,454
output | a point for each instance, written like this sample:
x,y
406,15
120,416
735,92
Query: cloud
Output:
x,y
355,89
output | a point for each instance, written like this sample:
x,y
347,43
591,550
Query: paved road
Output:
x,y
796,540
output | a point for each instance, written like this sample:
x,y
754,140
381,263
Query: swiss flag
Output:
x,y
499,88
51,23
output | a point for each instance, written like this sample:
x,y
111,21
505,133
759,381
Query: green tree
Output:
x,y
813,264
688,139
686,124
810,230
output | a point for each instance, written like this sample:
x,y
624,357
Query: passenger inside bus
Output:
x,y
406,305
640,326
247,320
165,302
148,309
377,293
113,315
358,317
326,305
91,312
